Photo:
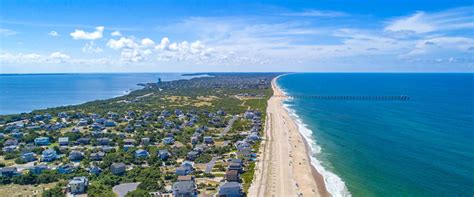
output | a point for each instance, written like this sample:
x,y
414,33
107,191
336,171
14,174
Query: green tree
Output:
x,y
138,193
150,185
56,191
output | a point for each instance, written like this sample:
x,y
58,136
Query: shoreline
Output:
x,y
125,92
284,166
332,184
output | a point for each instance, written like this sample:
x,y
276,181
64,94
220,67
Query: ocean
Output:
x,y
423,146
26,92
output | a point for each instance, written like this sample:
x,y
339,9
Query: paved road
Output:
x,y
124,188
210,165
229,126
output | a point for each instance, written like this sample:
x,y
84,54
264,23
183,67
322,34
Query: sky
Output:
x,y
236,36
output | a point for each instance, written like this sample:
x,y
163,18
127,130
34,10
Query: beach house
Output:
x,y
66,168
37,169
117,168
141,154
49,155
208,140
163,154
63,141
232,176
42,141
168,140
76,155
8,172
192,155
236,166
97,156
185,168
83,141
78,185
230,189
28,156
184,188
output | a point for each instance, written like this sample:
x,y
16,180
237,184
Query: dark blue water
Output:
x,y
420,147
23,93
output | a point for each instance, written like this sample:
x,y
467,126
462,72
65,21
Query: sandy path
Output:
x,y
284,167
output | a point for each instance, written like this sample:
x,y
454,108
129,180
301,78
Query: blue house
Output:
x,y
127,147
95,170
8,172
63,141
42,141
97,156
168,140
163,154
192,155
76,155
104,141
17,134
10,148
49,155
185,168
37,169
66,169
208,140
28,157
109,123
142,154
231,189
83,141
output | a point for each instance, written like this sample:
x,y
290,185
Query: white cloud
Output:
x,y
53,33
21,58
52,58
80,34
416,23
147,42
59,55
116,33
422,22
441,47
7,32
130,51
122,43
142,50
164,44
317,13
90,47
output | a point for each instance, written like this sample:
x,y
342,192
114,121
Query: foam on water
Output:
x,y
334,184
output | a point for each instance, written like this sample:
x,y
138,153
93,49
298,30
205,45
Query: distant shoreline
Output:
x,y
34,107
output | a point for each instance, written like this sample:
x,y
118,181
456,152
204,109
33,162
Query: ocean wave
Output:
x,y
334,184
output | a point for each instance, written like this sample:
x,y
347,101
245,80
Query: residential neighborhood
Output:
x,y
190,151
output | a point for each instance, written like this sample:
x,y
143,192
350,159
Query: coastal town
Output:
x,y
196,137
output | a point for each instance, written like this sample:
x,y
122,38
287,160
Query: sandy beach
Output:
x,y
284,167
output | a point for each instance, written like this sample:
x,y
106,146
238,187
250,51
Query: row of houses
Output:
x,y
232,185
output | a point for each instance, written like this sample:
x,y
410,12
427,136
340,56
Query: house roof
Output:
x,y
232,172
118,165
228,185
185,178
184,186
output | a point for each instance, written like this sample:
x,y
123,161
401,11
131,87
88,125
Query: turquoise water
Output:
x,y
420,147
26,92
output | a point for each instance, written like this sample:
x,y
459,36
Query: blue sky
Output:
x,y
196,36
